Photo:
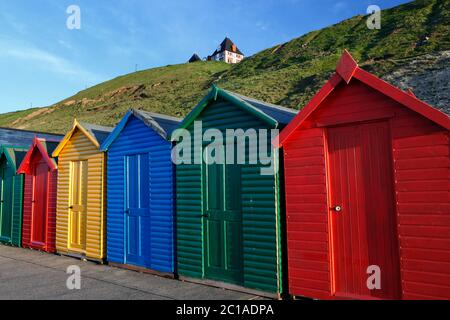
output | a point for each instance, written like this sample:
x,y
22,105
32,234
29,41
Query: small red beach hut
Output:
x,y
367,192
39,206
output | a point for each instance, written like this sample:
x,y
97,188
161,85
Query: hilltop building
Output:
x,y
195,57
227,52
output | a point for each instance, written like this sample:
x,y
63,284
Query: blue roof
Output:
x,y
162,124
167,123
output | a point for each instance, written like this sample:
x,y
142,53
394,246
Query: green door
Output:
x,y
222,222
6,207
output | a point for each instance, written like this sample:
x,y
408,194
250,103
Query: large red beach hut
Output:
x,y
39,206
367,192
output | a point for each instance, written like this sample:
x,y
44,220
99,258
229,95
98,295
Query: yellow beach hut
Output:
x,y
80,211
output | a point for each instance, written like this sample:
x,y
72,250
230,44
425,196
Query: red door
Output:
x,y
39,212
362,211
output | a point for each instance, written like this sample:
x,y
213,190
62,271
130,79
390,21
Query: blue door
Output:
x,y
137,212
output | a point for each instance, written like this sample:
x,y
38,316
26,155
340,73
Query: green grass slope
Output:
x,y
288,74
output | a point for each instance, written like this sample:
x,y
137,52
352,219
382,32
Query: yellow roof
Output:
x,y
88,130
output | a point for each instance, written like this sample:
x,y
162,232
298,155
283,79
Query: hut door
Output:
x,y
137,211
362,211
222,222
77,208
7,185
39,213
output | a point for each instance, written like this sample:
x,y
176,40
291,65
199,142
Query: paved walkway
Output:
x,y
27,274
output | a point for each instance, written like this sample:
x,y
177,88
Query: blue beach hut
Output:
x,y
140,192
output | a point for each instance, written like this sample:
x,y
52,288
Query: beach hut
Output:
x,y
11,195
228,227
140,192
80,210
39,204
367,192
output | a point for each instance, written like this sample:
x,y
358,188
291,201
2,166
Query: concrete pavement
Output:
x,y
33,275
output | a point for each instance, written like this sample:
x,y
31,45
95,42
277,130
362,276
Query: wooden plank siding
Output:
x,y
260,243
27,208
12,195
50,245
307,214
138,138
420,151
421,158
79,147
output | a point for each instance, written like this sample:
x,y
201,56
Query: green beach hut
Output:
x,y
11,195
228,228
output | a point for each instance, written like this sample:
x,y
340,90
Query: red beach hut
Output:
x,y
39,209
367,192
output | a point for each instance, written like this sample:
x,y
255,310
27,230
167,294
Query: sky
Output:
x,y
42,61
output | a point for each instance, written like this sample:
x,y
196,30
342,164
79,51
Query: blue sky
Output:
x,y
42,61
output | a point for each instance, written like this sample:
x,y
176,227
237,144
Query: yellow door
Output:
x,y
77,208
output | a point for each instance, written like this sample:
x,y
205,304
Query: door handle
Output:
x,y
205,215
337,209
71,207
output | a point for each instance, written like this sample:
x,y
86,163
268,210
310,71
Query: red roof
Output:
x,y
41,145
348,69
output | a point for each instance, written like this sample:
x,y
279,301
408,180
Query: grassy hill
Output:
x,y
287,74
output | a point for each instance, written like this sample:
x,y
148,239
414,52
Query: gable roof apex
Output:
x,y
273,115
227,45
347,66
45,147
195,57
347,70
13,154
95,133
161,124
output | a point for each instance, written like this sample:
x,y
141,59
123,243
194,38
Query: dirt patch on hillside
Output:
x,y
134,91
123,93
40,112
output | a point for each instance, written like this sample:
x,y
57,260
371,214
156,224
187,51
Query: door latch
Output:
x,y
337,208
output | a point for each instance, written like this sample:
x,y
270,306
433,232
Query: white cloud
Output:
x,y
44,59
